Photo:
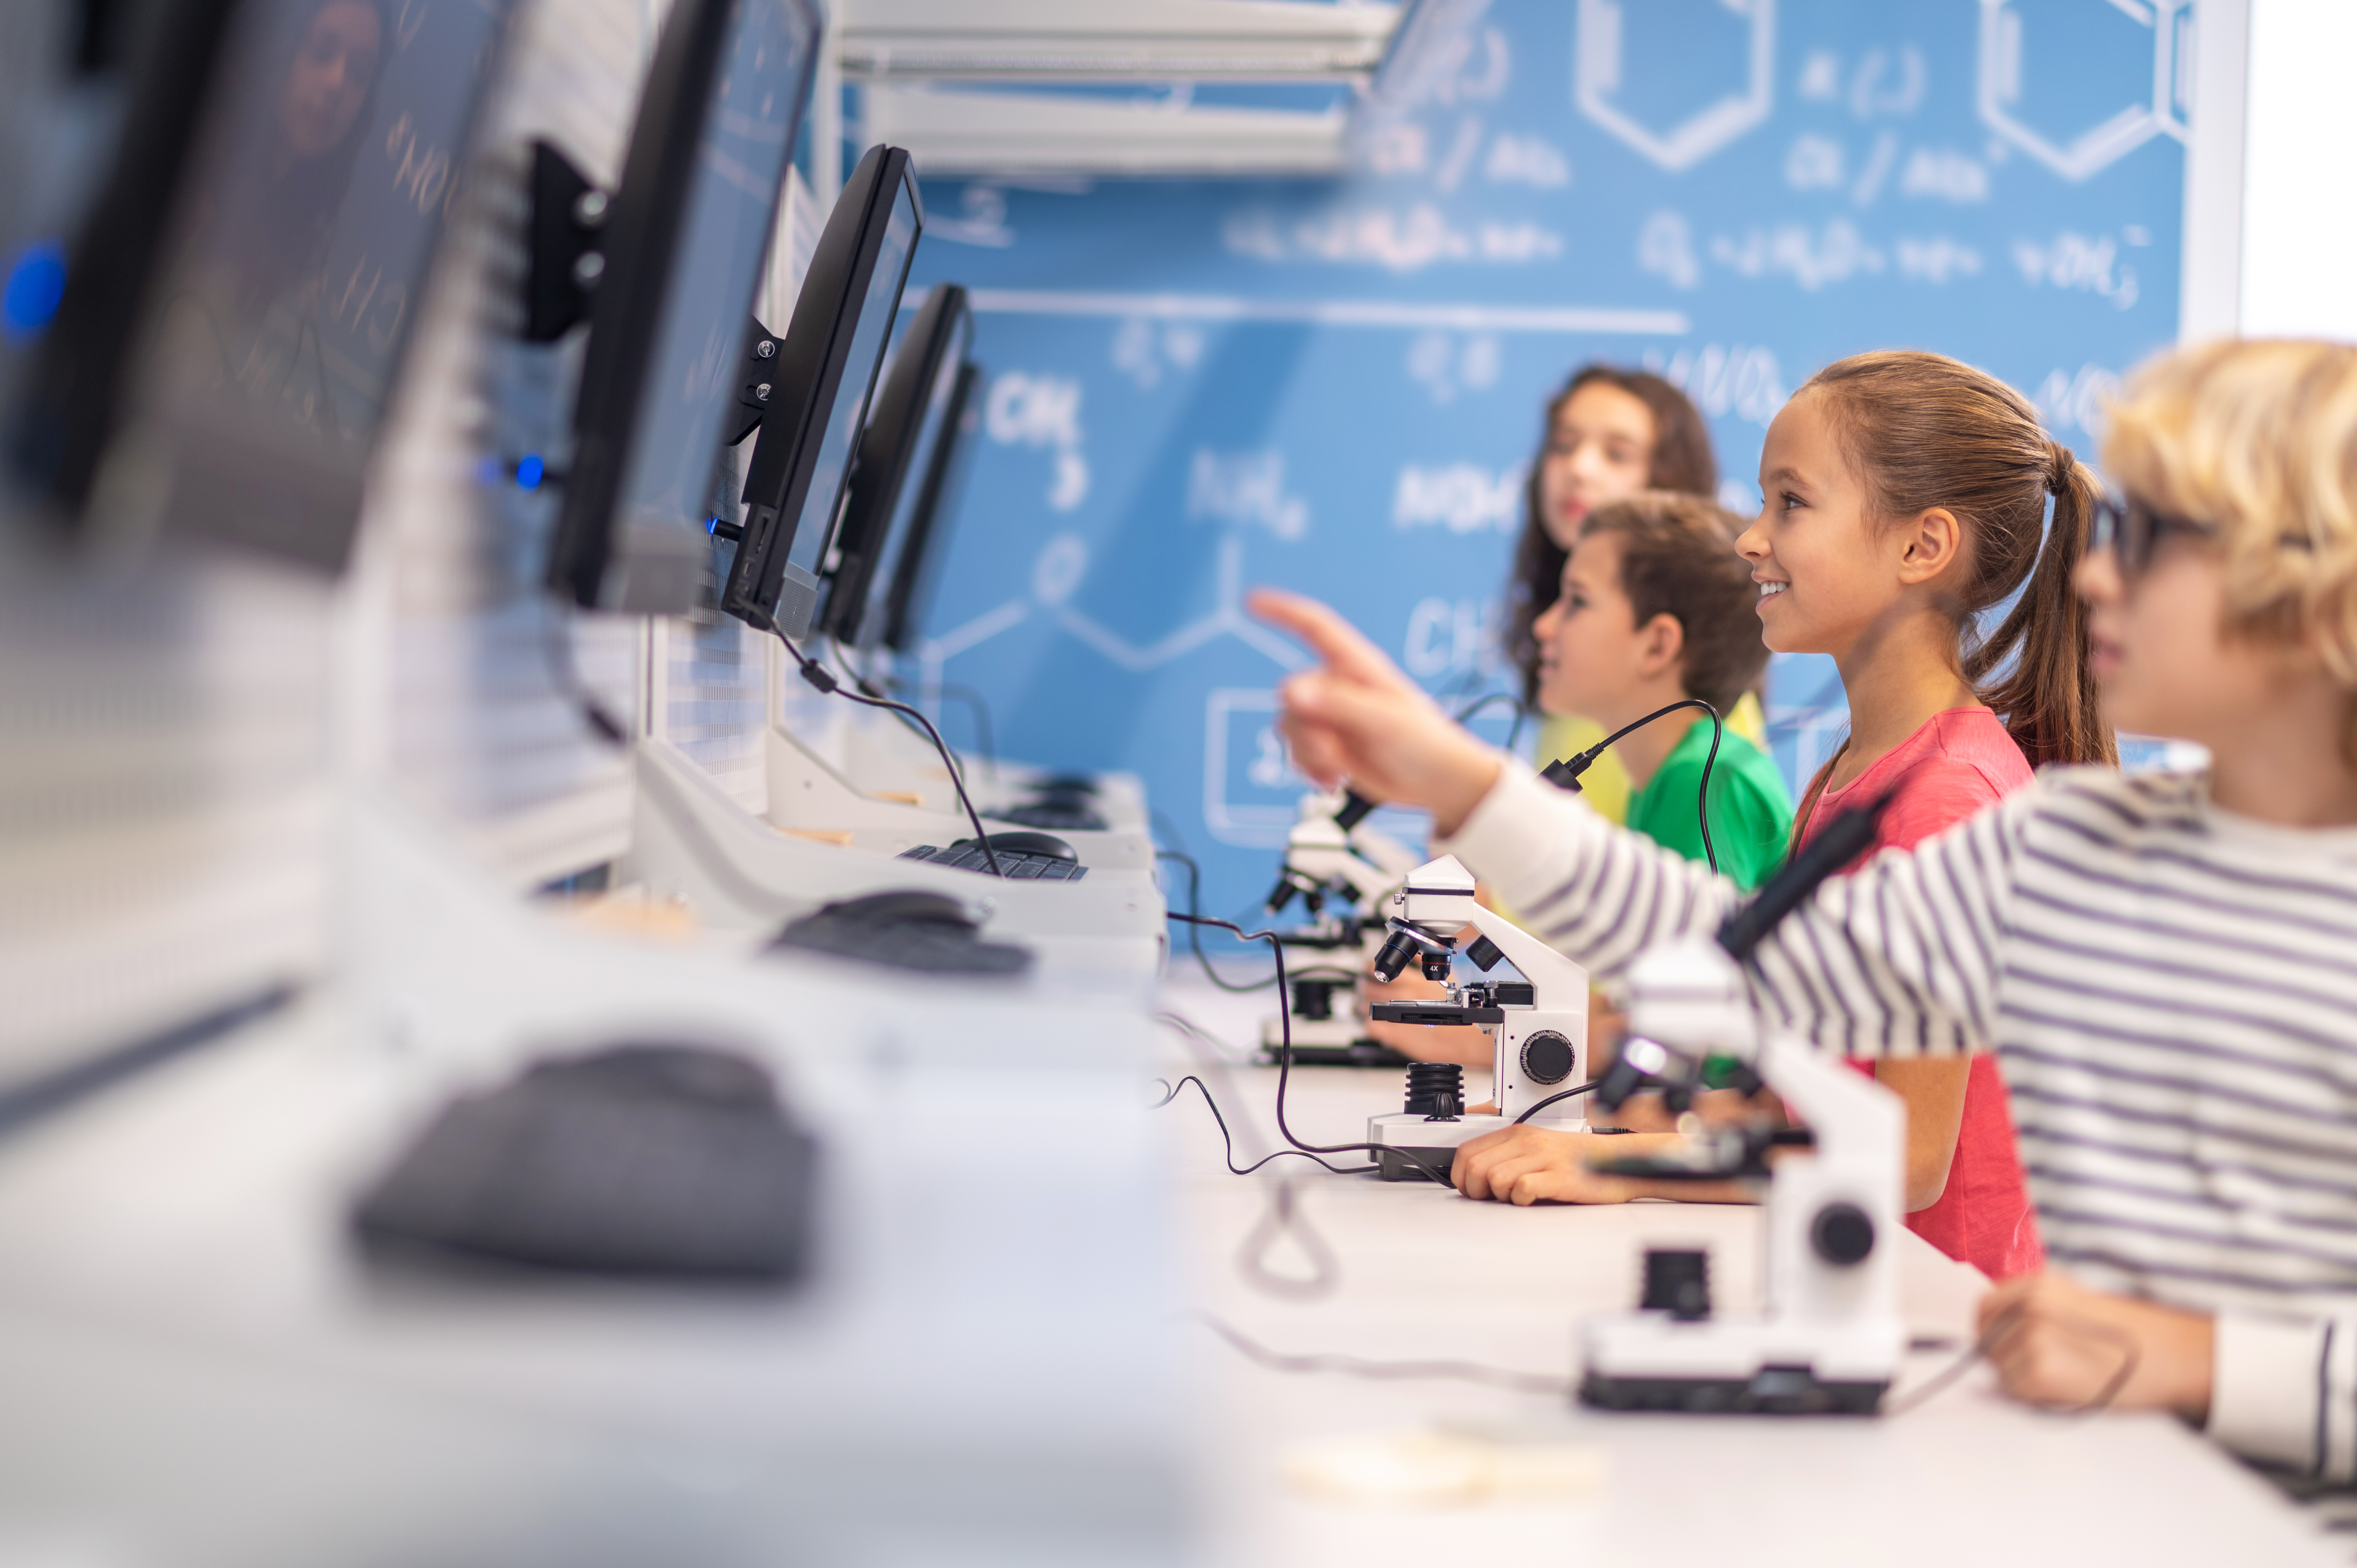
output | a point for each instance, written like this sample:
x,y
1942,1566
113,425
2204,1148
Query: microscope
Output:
x,y
1538,1024
1342,868
1829,1336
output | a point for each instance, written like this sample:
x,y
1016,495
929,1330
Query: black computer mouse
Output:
x,y
1025,841
1076,786
647,1159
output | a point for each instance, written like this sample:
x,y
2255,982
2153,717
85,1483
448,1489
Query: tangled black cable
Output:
x,y
1284,1058
1228,1142
1194,917
1281,1216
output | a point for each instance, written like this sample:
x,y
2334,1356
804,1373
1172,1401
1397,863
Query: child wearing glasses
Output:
x,y
2163,962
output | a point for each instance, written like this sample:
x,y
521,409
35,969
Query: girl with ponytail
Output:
x,y
1907,501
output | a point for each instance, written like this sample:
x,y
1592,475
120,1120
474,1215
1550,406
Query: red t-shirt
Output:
x,y
1959,762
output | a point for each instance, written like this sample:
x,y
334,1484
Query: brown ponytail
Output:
x,y
1925,431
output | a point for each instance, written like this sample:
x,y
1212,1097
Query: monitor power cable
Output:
x,y
557,624
824,679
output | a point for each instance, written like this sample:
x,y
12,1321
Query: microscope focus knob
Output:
x,y
1843,1234
1547,1057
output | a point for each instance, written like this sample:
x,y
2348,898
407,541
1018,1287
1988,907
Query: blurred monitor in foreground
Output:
x,y
236,308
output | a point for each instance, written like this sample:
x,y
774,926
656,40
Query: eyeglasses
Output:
x,y
2132,531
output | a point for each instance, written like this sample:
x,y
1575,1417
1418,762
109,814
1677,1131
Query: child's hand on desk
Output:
x,y
2055,1342
1527,1165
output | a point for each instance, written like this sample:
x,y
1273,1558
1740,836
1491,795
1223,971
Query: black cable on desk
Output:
x,y
1285,1057
1227,1142
1385,1372
1279,1218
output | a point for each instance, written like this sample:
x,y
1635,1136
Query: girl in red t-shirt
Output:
x,y
1905,495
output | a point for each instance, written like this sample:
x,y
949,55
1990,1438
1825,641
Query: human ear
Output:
x,y
1663,643
1932,544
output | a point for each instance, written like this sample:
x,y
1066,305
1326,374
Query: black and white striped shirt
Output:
x,y
2172,991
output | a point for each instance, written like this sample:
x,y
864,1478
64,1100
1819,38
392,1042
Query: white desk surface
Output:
x,y
1968,1478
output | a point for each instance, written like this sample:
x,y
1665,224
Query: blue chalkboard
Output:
x,y
1335,386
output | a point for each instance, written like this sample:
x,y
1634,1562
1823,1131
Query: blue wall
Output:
x,y
1336,386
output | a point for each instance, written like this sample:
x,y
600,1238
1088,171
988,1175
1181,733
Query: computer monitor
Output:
x,y
896,454
919,567
237,304
826,370
687,234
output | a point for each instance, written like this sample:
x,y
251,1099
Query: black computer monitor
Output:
x,y
919,567
887,475
237,305
826,370
684,243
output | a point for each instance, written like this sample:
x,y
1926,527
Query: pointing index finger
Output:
x,y
1341,645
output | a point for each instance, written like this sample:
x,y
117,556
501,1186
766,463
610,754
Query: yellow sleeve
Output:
x,y
1606,782
1747,719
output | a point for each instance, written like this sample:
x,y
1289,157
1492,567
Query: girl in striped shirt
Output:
x,y
2165,964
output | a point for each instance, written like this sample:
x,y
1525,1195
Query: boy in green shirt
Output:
x,y
1751,814
1656,608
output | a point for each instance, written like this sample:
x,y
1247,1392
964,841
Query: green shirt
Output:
x,y
1750,812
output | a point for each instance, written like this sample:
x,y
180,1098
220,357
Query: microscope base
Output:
x,y
1427,1148
1652,1362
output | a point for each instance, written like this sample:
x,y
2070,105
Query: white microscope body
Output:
x,y
1340,871
1538,1026
1830,1336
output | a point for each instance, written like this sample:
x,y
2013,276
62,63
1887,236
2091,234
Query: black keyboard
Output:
x,y
1018,865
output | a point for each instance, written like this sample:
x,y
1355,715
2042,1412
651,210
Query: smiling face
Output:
x,y
1600,449
1825,573
1592,653
333,70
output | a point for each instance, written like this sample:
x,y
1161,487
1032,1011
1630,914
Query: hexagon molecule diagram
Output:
x,y
1729,91
2070,150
